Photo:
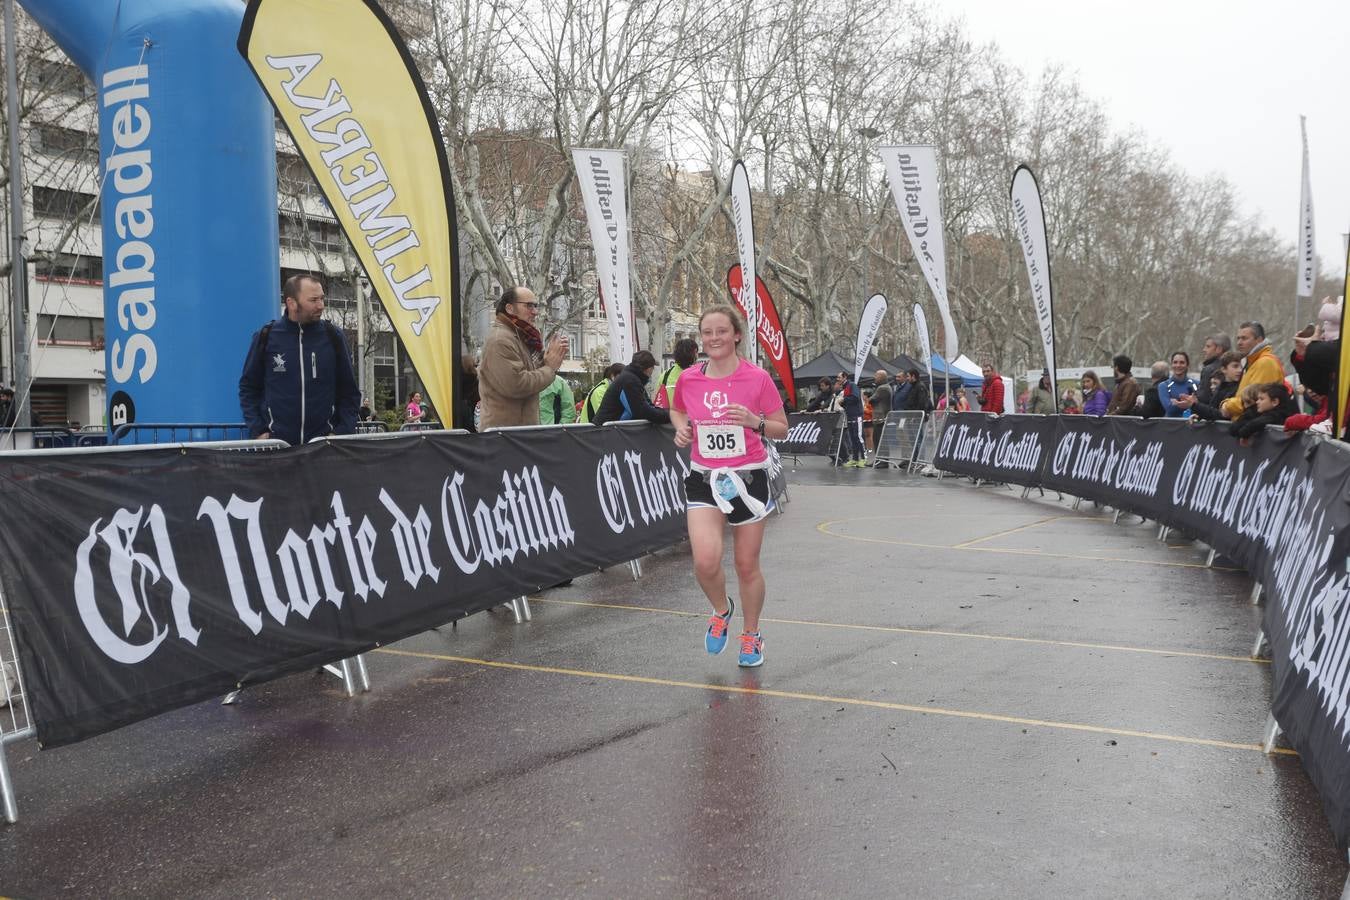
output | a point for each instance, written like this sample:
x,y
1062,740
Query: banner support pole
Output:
x,y
348,682
1271,734
7,789
1296,319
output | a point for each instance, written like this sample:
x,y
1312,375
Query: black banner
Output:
x,y
146,580
1279,506
996,448
811,434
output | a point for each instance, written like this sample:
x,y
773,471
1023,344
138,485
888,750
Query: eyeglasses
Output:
x,y
525,303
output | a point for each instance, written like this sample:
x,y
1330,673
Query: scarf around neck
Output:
x,y
527,332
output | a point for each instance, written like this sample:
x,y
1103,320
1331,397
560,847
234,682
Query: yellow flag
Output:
x,y
343,82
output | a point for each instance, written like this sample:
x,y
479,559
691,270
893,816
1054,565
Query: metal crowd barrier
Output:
x,y
92,436
51,437
932,433
837,453
196,433
425,426
16,720
39,437
375,427
901,437
402,434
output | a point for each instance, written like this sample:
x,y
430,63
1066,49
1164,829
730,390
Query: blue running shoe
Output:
x,y
752,650
716,639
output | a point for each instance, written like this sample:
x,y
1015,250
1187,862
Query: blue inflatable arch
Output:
x,y
187,145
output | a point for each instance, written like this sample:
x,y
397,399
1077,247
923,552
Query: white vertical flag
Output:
x,y
912,173
921,325
742,217
604,191
1307,246
869,326
1029,221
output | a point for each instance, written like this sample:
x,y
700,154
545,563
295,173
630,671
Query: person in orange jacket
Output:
x,y
1262,365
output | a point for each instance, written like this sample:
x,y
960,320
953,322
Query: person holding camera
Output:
x,y
515,367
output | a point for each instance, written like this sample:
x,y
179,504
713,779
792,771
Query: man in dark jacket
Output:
x,y
850,401
1216,345
824,397
900,395
9,409
626,396
297,382
1153,406
1126,394
919,397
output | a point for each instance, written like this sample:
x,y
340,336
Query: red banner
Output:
x,y
771,336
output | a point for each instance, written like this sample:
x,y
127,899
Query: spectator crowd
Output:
x,y
1241,381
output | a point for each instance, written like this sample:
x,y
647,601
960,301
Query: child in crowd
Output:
x,y
1271,405
1229,375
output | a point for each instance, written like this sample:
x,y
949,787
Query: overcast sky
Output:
x,y
1220,85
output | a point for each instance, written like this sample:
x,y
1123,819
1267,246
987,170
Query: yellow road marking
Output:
x,y
824,528
826,698
931,632
1008,531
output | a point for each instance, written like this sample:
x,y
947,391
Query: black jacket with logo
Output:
x,y
298,382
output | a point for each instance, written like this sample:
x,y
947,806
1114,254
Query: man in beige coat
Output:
x,y
515,367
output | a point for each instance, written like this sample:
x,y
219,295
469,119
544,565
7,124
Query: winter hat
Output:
x,y
1329,316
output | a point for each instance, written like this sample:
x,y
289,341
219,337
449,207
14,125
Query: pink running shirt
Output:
x,y
705,398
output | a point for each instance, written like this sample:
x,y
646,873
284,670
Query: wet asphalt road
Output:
x,y
965,695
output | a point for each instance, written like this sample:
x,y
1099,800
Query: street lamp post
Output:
x,y
18,263
362,286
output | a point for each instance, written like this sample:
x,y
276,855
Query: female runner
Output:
x,y
722,409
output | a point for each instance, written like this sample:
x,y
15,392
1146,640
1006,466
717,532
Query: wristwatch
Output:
x,y
762,422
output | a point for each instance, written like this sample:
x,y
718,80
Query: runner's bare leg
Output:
x,y
746,541
705,540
